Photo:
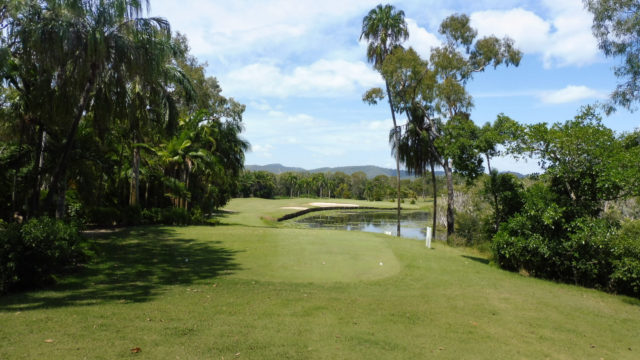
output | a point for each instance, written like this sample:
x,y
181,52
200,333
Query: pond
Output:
x,y
412,223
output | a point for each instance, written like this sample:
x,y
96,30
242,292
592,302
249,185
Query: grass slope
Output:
x,y
259,292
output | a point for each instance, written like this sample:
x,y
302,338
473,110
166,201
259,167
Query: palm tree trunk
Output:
x,y
397,140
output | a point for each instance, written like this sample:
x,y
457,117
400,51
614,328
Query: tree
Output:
x,y
585,162
73,51
433,95
384,28
503,132
616,25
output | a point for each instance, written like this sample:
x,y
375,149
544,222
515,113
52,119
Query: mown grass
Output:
x,y
259,292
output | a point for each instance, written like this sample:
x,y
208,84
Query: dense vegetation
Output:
x,y
554,226
106,118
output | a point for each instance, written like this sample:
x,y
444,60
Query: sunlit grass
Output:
x,y
259,292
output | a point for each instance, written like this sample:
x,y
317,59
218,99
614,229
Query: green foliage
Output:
x,y
616,25
469,228
504,193
31,254
585,161
111,111
104,216
384,28
586,251
434,97
626,266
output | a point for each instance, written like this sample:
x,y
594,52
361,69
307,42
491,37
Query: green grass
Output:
x,y
260,292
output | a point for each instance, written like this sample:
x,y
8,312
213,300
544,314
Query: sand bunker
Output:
x,y
294,208
323,204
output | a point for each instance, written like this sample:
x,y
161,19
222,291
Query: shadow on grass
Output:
x,y
476,259
131,265
631,301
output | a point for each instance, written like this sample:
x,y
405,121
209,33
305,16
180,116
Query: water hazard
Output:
x,y
413,223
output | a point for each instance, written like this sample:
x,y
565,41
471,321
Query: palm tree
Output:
x,y
415,150
78,50
384,29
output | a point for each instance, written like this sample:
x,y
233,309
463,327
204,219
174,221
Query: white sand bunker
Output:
x,y
294,208
323,204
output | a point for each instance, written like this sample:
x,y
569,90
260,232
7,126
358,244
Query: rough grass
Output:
x,y
236,291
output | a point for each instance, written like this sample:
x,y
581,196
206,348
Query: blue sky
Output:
x,y
301,71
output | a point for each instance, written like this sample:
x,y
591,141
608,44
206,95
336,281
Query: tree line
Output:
x,y
337,185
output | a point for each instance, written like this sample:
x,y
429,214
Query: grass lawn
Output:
x,y
252,289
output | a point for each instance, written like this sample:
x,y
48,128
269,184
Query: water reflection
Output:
x,y
413,223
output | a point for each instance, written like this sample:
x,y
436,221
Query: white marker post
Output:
x,y
428,237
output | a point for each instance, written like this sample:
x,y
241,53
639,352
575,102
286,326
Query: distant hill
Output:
x,y
371,170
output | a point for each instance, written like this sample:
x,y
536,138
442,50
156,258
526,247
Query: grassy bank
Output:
x,y
254,291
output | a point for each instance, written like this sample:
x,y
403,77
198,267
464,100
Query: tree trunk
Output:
x,y
134,194
450,215
60,173
435,200
34,202
397,140
488,163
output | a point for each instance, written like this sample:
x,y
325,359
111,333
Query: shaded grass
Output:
x,y
132,265
236,299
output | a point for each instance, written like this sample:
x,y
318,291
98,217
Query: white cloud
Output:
x,y
310,141
569,94
262,150
563,39
420,39
225,28
323,78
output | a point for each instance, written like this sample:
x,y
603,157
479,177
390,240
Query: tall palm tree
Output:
x,y
415,150
384,28
107,43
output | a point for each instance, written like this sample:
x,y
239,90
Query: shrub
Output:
x,y
197,217
587,253
625,278
104,216
468,227
174,216
33,253
130,215
11,248
151,216
593,253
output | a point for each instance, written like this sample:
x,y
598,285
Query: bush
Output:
x,y
104,216
197,217
469,228
593,253
31,254
130,215
175,216
625,278
588,252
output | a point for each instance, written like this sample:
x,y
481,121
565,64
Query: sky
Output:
x,y
300,69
